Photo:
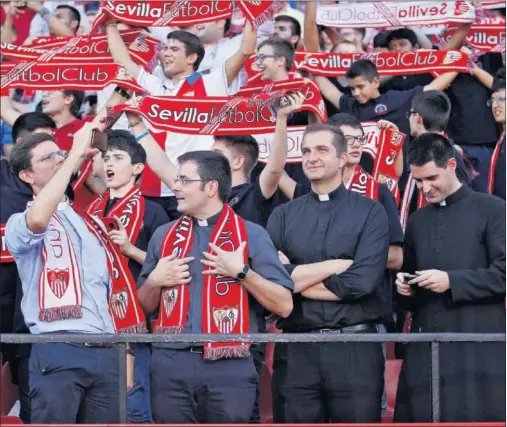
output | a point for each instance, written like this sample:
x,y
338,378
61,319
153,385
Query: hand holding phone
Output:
x,y
110,224
99,140
408,277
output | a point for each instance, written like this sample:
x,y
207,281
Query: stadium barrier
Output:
x,y
121,341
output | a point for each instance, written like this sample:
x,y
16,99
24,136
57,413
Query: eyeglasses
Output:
x,y
351,139
52,156
497,99
262,57
185,181
410,112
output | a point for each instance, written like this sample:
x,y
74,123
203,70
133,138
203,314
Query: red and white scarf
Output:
x,y
60,281
487,35
225,301
129,209
216,115
363,183
83,50
162,13
183,12
410,189
494,160
386,14
64,76
5,255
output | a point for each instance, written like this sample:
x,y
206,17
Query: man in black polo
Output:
x,y
337,244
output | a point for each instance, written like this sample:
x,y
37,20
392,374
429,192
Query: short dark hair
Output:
x,y
499,80
192,44
402,34
434,107
282,48
123,140
338,138
345,119
380,40
74,13
21,154
362,68
28,122
245,145
296,26
430,147
211,166
78,95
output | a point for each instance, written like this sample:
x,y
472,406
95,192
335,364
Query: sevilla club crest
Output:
x,y
225,318
120,304
169,298
58,281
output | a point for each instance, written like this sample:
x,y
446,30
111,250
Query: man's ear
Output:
x,y
138,169
376,82
192,58
26,176
212,188
451,164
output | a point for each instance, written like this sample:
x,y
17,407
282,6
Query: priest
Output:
x,y
453,280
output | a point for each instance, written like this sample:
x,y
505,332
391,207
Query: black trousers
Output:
x,y
330,382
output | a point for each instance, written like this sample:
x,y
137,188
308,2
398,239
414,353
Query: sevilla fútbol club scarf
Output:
x,y
60,282
486,35
162,13
363,183
386,14
224,300
210,115
65,76
129,209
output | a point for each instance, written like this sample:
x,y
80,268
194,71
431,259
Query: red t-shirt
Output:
x,y
21,23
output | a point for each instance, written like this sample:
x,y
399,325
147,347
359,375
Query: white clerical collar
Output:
x,y
202,222
443,203
323,197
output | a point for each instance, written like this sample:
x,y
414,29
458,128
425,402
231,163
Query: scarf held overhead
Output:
x,y
83,50
214,115
64,76
388,14
224,302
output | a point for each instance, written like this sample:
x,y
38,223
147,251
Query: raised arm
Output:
x,y
156,157
442,82
45,204
56,27
6,35
235,63
119,50
483,76
287,185
310,26
7,112
272,172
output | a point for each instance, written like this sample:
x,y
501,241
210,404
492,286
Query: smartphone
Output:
x,y
99,140
278,102
407,277
110,224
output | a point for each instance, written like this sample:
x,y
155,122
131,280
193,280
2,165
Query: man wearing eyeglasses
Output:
x,y
203,277
66,279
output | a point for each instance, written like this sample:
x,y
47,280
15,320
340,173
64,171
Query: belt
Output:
x,y
98,345
362,328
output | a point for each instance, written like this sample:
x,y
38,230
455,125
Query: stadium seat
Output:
x,y
9,420
8,391
391,375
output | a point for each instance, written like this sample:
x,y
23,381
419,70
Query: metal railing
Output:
x,y
121,341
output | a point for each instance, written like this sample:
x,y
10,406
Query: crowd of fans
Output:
x,y
169,232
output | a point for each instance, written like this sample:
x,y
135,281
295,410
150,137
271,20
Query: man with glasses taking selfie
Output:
x,y
62,259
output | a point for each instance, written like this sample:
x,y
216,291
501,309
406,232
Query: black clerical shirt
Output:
x,y
340,225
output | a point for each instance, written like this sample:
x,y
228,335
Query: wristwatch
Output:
x,y
243,273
